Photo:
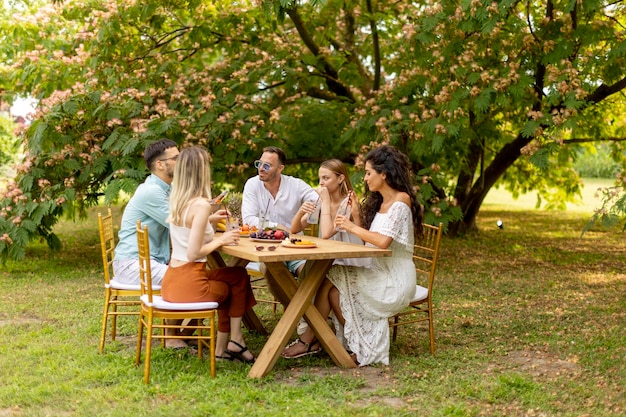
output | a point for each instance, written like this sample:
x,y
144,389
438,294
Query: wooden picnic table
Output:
x,y
297,297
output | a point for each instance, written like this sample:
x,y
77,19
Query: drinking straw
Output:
x,y
267,207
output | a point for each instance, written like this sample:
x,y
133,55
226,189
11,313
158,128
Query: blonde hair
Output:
x,y
192,179
339,168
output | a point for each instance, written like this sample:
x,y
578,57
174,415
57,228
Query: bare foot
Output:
x,y
175,344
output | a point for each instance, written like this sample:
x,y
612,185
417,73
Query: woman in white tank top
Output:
x,y
187,278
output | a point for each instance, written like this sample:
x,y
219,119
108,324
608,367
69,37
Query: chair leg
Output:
x,y
431,331
139,340
395,328
163,323
105,316
212,344
113,318
146,372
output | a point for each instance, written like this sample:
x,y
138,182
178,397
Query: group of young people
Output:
x,y
175,203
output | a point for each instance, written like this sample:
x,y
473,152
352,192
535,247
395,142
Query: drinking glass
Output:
x,y
232,224
344,209
314,217
263,220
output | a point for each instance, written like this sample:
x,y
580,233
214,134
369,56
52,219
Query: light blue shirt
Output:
x,y
291,194
150,205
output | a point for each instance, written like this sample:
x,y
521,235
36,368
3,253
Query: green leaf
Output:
x,y
529,129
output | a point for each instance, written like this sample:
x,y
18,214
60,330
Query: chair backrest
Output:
x,y
107,243
426,253
145,271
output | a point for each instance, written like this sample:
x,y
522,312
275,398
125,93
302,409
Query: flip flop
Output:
x,y
311,348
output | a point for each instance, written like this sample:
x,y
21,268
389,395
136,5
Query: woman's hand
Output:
x,y
230,238
355,208
219,215
343,223
308,207
323,193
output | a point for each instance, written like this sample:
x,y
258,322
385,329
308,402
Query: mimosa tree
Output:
x,y
477,93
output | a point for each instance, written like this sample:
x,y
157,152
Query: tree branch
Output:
x,y
269,87
351,53
603,91
375,45
332,80
315,92
587,140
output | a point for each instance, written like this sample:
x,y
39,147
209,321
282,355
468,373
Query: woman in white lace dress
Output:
x,y
364,298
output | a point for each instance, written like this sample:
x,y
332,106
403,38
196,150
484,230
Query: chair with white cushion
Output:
x,y
425,255
116,294
199,317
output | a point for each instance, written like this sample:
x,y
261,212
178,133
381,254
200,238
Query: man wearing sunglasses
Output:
x,y
150,205
278,195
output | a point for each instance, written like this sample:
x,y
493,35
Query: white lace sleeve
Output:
x,y
399,225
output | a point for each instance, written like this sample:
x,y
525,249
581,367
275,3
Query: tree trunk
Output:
x,y
474,199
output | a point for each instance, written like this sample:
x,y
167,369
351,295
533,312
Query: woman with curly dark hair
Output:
x,y
363,299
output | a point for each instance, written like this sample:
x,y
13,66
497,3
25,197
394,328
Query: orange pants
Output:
x,y
193,282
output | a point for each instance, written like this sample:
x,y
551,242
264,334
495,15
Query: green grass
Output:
x,y
530,321
587,203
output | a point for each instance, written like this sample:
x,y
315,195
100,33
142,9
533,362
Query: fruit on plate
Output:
x,y
299,242
270,233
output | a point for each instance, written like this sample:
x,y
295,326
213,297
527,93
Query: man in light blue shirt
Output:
x,y
150,205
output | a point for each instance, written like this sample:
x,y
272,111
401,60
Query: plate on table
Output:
x,y
307,244
256,239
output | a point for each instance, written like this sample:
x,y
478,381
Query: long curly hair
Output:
x,y
395,165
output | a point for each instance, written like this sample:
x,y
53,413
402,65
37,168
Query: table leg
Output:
x,y
299,304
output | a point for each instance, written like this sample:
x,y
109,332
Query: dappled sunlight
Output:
x,y
599,278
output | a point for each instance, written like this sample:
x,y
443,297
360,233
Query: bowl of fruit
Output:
x,y
269,234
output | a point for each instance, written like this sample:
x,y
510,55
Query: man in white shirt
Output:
x,y
279,196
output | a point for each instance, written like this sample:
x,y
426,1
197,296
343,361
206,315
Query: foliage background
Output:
x,y
477,93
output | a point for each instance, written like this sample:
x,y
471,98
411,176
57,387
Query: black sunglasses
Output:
x,y
269,248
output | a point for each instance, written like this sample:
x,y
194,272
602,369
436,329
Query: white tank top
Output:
x,y
180,239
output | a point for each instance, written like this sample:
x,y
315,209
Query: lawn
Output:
x,y
529,321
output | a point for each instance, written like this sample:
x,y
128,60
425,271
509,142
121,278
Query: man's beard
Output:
x,y
268,178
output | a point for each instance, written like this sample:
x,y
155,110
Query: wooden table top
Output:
x,y
325,249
